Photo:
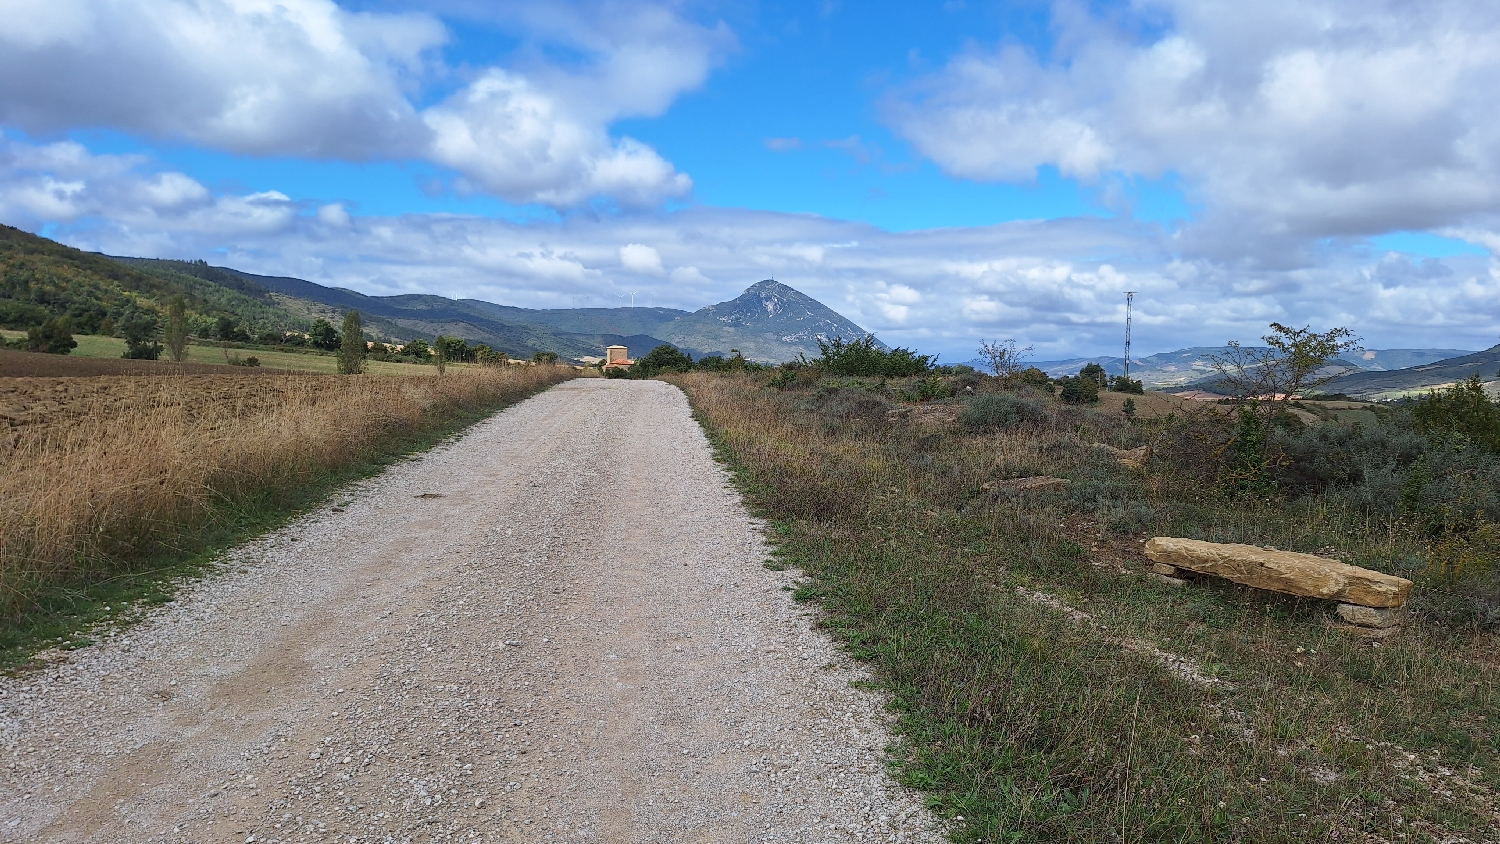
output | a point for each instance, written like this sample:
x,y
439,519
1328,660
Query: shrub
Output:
x,y
351,358
862,358
54,337
931,388
1248,471
140,329
1032,377
1123,384
1461,409
1078,390
1000,412
663,358
177,329
1003,358
837,407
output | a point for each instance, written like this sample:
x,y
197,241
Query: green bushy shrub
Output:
x,y
1078,390
1462,409
54,337
863,359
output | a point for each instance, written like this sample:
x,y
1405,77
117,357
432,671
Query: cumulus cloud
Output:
x,y
309,78
640,259
1058,285
1289,120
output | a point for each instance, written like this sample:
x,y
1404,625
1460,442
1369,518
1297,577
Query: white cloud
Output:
x,y
1058,285
335,215
309,78
1290,120
640,259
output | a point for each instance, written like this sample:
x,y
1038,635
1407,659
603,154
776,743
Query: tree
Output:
x,y
1077,389
177,329
418,349
663,358
1003,358
1292,363
544,357
440,353
54,337
352,347
322,335
140,330
1095,373
455,349
1126,384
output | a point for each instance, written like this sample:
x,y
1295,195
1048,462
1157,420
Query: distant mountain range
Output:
x,y
770,322
1190,368
1393,384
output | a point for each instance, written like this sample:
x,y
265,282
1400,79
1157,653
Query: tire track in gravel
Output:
x,y
576,642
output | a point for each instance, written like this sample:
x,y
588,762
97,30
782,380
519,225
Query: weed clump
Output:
x,y
1001,412
838,407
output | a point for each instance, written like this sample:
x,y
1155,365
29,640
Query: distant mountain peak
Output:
x,y
770,322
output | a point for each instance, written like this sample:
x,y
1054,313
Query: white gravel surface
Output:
x,y
576,642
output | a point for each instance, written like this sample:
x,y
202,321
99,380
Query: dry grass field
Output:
x,y
100,475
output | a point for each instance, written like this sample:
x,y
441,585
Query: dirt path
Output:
x,y
576,642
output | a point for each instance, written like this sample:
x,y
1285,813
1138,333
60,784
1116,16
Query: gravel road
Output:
x,y
555,628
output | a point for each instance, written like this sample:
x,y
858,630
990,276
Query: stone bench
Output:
x,y
1366,598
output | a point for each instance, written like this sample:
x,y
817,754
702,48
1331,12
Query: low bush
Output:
x,y
1000,412
840,407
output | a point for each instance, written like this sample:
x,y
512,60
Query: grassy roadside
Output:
x,y
1046,690
127,515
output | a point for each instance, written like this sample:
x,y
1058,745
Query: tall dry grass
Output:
x,y
121,469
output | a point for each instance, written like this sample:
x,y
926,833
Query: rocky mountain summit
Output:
x,y
768,322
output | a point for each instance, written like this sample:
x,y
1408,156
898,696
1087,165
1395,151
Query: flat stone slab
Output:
x,y
1288,572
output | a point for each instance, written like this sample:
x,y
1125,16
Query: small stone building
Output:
x,y
617,357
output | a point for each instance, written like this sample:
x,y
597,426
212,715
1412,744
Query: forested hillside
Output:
x,y
41,280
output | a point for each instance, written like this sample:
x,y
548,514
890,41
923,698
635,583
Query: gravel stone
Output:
x,y
556,627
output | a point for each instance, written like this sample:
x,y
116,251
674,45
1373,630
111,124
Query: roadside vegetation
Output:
x,y
108,485
1047,687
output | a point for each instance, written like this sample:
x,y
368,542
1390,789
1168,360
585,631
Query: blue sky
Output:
x,y
939,172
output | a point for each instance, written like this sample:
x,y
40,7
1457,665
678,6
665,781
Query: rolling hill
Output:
x,y
1189,368
1415,379
39,278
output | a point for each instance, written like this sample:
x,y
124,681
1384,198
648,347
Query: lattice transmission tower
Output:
x,y
1129,298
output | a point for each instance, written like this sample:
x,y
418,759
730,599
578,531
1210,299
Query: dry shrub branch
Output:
x,y
120,469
